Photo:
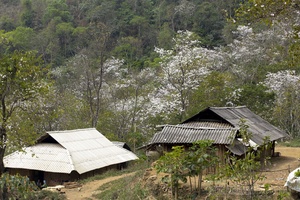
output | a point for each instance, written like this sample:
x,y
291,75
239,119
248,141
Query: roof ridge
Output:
x,y
73,130
228,107
204,128
70,159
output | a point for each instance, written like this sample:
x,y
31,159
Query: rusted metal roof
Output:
x,y
181,134
85,150
259,127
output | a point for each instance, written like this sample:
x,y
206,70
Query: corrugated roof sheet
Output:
x,y
45,157
120,144
185,134
88,149
259,127
237,148
207,124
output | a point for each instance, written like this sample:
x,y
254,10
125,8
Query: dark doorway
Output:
x,y
37,176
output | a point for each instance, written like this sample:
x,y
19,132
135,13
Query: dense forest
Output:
x,y
126,66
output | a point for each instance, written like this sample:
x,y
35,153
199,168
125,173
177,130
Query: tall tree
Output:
x,y
285,85
21,82
182,70
89,81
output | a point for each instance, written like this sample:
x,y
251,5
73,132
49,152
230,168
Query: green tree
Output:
x,y
209,23
215,90
28,14
64,33
246,171
129,49
21,38
173,164
266,11
57,9
257,98
21,82
165,37
200,157
7,24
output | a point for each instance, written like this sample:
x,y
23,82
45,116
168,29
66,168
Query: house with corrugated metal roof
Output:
x,y
221,125
69,155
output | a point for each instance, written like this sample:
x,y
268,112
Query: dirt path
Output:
x,y
281,166
88,189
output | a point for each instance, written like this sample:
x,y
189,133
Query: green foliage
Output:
x,y
284,195
129,30
257,98
28,14
200,157
297,173
21,83
18,187
7,24
21,38
266,11
287,111
213,91
245,171
172,163
180,164
209,23
57,9
165,37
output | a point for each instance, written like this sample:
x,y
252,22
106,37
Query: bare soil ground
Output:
x,y
281,166
87,190
276,175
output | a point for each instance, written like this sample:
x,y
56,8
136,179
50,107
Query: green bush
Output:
x,y
17,187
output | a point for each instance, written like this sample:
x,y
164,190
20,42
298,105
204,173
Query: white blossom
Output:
x,y
182,71
280,81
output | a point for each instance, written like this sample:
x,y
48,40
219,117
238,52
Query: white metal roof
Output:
x,y
45,157
82,150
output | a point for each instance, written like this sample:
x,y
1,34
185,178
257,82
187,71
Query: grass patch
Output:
x,y
291,143
133,167
125,188
48,195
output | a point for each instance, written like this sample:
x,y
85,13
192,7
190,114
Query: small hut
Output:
x,y
221,125
61,156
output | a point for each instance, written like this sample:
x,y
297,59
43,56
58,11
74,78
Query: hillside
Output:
x,y
126,66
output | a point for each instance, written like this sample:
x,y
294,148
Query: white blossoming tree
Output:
x,y
182,70
251,52
286,86
129,98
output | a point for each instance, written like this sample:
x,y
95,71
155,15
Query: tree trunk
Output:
x,y
3,190
199,183
2,168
